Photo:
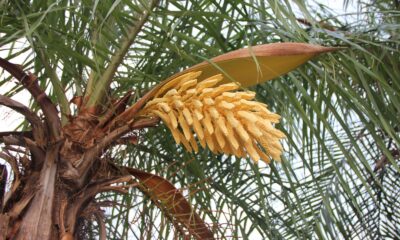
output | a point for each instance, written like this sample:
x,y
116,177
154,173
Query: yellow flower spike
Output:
x,y
207,92
222,125
176,82
231,119
214,112
198,115
173,121
191,92
263,156
242,133
185,142
198,129
178,104
184,126
240,152
223,97
245,95
164,106
275,154
251,104
209,141
226,105
218,148
270,130
251,150
209,82
187,85
194,145
202,142
276,145
155,102
228,150
188,95
224,88
197,103
163,116
232,138
274,118
253,129
187,115
221,118
171,92
248,116
235,96
207,123
208,101
176,134
220,137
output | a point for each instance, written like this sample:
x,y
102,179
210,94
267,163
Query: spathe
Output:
x,y
258,64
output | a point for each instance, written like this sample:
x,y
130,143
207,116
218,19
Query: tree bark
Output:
x,y
38,221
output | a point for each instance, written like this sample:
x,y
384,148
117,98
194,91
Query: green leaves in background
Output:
x,y
340,175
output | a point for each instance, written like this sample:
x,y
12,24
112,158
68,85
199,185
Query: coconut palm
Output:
x,y
101,156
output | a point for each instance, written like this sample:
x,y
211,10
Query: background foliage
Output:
x,y
341,112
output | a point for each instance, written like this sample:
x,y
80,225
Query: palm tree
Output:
x,y
338,175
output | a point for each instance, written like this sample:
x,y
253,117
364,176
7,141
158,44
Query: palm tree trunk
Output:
x,y
38,221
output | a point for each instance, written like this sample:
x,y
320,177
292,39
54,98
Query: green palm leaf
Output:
x,y
339,176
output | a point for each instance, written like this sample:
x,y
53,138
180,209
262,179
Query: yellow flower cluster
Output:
x,y
221,117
